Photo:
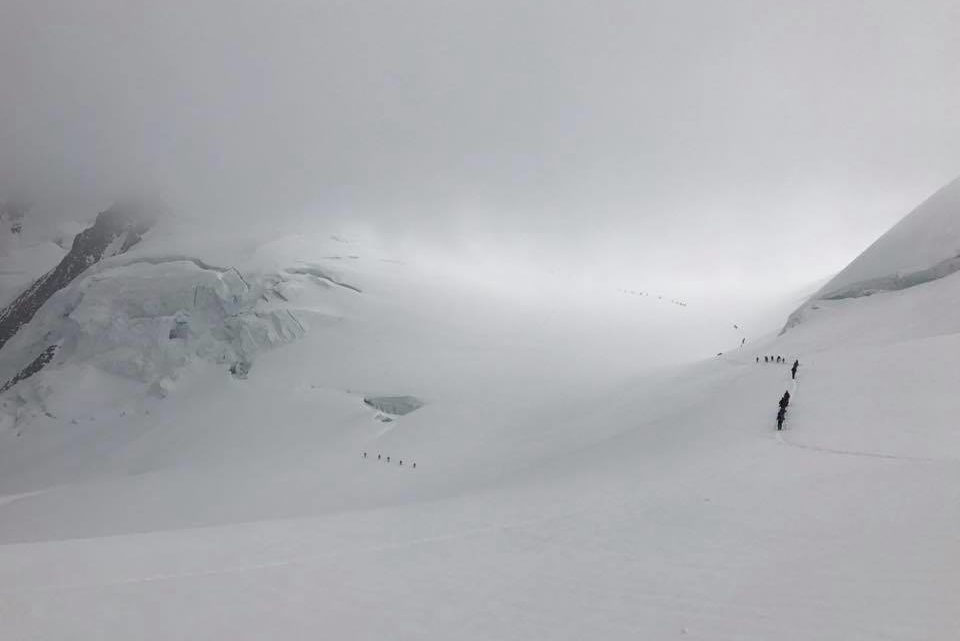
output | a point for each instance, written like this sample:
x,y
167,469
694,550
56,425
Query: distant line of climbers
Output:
x,y
785,399
633,292
380,457
781,359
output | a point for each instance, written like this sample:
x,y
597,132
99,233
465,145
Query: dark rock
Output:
x,y
180,329
35,366
241,369
114,232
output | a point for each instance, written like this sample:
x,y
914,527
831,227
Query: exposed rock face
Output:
x,y
114,232
241,369
35,366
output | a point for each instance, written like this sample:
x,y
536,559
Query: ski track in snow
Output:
x,y
782,438
877,455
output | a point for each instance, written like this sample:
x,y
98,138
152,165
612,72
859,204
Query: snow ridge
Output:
x,y
923,247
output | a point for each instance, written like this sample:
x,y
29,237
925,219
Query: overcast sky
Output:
x,y
749,142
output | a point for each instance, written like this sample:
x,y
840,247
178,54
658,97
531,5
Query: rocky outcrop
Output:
x,y
114,232
35,366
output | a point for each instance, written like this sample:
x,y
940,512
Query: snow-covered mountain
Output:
x,y
114,232
574,478
926,238
149,310
921,248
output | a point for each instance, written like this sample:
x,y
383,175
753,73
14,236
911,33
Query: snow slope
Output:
x,y
925,245
573,481
21,263
921,248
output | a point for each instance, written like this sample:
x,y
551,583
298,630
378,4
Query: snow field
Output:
x,y
569,485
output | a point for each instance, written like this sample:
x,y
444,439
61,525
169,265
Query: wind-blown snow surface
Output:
x,y
554,495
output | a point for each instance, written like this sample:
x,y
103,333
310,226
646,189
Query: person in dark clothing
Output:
x,y
785,400
758,359
793,370
766,359
364,455
781,415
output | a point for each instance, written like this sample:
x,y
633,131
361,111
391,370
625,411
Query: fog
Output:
x,y
700,145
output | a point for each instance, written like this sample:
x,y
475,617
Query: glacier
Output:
x,y
588,466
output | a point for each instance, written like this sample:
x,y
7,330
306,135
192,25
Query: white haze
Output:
x,y
694,146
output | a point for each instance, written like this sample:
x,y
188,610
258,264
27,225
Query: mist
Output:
x,y
701,146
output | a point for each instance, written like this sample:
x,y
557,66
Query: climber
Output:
x,y
785,400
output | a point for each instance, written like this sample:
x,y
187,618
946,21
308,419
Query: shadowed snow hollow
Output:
x,y
395,405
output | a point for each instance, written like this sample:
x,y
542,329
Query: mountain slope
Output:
x,y
563,490
927,237
921,248
114,232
